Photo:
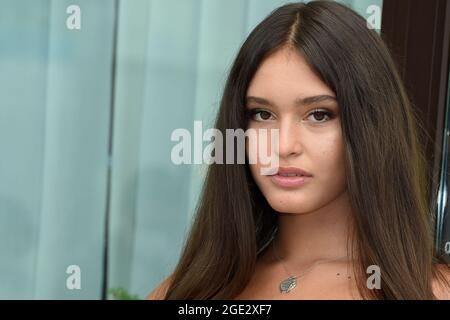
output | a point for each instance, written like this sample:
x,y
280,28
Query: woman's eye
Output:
x,y
317,116
260,115
320,115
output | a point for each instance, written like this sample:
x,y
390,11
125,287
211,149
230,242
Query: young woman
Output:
x,y
357,224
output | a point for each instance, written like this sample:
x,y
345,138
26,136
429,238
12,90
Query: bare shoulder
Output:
x,y
442,290
160,291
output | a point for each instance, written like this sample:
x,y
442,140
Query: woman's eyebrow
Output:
x,y
298,102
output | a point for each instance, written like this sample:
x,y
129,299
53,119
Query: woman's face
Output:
x,y
310,134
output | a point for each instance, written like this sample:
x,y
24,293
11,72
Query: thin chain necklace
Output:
x,y
290,283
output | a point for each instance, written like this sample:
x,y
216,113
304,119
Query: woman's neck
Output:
x,y
304,238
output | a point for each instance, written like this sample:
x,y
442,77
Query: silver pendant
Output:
x,y
288,284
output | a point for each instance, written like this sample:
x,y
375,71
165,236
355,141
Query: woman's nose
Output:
x,y
289,139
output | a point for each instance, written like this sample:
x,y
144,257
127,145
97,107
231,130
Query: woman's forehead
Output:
x,y
286,73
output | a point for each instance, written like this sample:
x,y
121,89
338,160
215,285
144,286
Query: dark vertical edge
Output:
x,y
442,94
417,34
110,152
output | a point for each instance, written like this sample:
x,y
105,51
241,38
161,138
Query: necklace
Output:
x,y
290,283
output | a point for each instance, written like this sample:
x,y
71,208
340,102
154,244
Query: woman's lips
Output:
x,y
289,182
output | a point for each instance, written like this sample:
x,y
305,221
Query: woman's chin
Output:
x,y
288,206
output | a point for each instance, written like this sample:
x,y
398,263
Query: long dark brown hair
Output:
x,y
385,164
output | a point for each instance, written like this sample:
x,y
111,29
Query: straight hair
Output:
x,y
385,164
